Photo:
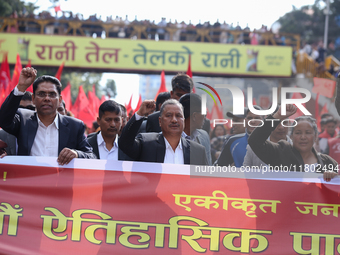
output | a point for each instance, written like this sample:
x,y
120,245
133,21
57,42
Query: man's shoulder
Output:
x,y
68,119
154,115
236,137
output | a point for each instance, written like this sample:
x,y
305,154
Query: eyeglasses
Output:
x,y
43,94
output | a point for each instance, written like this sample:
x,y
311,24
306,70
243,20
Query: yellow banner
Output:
x,y
144,55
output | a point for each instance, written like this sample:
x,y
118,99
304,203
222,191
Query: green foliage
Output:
x,y
7,7
86,80
309,21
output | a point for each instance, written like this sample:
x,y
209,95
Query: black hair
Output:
x,y
161,98
109,106
48,78
191,103
27,96
182,81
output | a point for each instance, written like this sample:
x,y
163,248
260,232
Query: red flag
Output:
x,y
254,101
66,95
94,101
216,113
138,104
189,72
5,75
162,88
87,116
30,88
297,95
57,9
16,73
3,95
80,103
128,106
60,70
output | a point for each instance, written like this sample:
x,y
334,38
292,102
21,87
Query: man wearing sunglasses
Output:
x,y
43,132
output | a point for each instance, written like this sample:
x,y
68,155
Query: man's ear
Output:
x,y
159,120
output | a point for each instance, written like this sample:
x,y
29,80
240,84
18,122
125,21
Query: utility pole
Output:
x,y
327,12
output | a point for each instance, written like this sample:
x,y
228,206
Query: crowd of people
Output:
x,y
170,130
123,28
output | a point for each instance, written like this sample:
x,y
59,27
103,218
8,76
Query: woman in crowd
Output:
x,y
298,156
216,141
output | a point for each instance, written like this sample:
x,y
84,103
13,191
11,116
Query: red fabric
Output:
x,y
334,148
162,88
16,73
139,208
94,101
128,106
189,72
324,134
298,113
60,70
216,113
138,104
80,103
5,80
57,8
66,95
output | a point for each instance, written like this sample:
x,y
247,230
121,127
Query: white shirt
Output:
x,y
46,140
104,153
171,156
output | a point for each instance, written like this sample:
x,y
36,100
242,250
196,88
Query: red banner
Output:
x,y
116,207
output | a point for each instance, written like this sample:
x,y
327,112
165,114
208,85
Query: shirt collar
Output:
x,y
168,146
101,140
55,122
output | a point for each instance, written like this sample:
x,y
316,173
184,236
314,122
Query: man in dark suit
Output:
x,y
11,141
166,147
194,121
181,84
105,141
44,132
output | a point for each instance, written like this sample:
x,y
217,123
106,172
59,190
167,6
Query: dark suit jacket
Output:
x,y
150,147
93,142
11,142
23,124
152,123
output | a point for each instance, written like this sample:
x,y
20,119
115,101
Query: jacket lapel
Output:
x,y
64,132
95,147
186,150
32,128
160,150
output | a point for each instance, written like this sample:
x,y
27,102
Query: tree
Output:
x,y
309,22
7,7
111,88
87,80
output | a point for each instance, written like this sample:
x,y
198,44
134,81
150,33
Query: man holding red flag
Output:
x,y
44,132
